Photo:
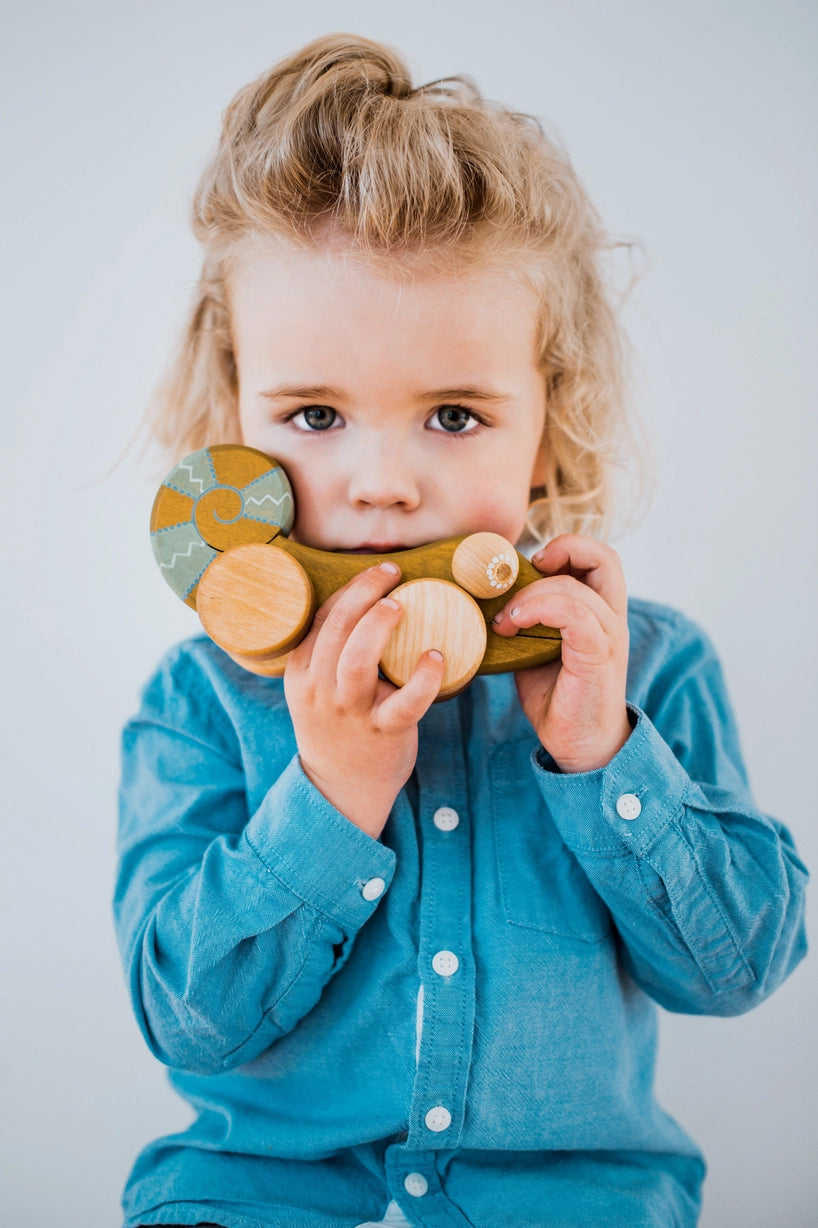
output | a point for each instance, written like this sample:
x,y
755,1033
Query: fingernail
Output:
x,y
535,558
388,601
438,656
391,569
513,613
498,618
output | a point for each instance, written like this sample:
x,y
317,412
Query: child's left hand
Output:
x,y
577,704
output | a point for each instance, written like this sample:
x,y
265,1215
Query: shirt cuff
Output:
x,y
317,853
623,806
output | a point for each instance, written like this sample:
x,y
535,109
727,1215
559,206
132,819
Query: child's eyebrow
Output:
x,y
312,392
304,392
467,392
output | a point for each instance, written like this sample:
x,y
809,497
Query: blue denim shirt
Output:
x,y
459,1017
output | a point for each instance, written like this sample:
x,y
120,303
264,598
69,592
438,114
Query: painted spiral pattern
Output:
x,y
222,496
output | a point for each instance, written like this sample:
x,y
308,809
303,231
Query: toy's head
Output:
x,y
223,496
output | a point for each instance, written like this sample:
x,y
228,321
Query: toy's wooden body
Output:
x,y
219,526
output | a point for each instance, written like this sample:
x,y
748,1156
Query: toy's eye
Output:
x,y
315,418
454,419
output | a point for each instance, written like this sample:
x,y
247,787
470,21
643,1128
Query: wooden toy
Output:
x,y
219,530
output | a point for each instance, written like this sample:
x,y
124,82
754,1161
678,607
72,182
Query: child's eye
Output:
x,y
454,419
315,418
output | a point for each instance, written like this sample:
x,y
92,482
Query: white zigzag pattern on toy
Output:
x,y
264,498
180,554
193,477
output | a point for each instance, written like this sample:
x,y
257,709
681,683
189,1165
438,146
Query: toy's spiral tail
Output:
x,y
223,496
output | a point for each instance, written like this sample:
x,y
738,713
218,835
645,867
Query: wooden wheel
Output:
x,y
437,614
257,602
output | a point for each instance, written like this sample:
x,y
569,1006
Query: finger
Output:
x,y
585,639
357,669
405,706
590,561
335,619
525,608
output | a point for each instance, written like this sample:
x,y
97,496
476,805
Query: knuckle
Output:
x,y
334,620
320,616
356,667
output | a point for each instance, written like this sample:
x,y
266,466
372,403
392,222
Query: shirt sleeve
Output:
x,y
229,923
706,892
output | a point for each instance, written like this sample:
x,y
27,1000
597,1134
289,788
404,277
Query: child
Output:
x,y
402,958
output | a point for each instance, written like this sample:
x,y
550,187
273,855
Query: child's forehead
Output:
x,y
336,258
313,307
344,301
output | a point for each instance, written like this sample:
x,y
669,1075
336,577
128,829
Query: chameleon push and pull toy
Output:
x,y
219,530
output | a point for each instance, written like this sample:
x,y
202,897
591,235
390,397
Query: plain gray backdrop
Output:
x,y
693,127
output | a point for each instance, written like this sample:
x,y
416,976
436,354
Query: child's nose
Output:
x,y
384,476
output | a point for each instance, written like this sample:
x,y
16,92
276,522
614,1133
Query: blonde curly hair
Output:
x,y
337,136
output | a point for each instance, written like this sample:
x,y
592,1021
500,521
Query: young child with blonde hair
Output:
x,y
402,957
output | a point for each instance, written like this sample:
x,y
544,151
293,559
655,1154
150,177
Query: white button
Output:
x,y
628,806
373,889
438,1119
445,818
445,963
415,1184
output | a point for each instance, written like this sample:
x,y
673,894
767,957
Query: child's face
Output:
x,y
402,412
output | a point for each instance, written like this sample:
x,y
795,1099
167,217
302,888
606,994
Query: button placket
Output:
x,y
414,1172
444,1053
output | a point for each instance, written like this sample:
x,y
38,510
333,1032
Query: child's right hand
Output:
x,y
357,733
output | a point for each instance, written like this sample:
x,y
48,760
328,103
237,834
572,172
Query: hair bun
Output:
x,y
355,61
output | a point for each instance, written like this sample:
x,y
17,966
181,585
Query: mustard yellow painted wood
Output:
x,y
256,602
437,614
257,608
532,646
485,564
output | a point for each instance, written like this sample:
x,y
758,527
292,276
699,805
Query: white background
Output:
x,y
693,127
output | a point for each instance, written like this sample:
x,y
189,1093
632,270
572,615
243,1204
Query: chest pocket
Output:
x,y
541,884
